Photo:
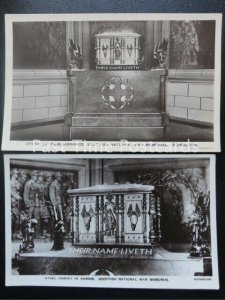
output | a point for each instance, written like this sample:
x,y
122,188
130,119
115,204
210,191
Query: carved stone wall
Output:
x,y
43,208
192,44
180,191
40,45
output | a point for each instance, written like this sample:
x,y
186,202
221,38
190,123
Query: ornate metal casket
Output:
x,y
119,213
117,48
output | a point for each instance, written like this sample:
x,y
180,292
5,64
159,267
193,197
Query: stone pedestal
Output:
x,y
115,105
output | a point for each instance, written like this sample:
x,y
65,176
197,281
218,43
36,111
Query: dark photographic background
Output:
x,y
114,6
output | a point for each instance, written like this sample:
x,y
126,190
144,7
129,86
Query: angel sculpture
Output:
x,y
160,53
76,56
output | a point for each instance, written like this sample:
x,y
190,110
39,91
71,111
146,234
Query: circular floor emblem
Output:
x,y
101,272
117,92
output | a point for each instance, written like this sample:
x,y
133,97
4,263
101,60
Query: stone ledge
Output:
x,y
190,75
34,123
39,73
196,123
35,75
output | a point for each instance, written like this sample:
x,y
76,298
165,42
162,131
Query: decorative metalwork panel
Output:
x,y
116,218
117,92
117,49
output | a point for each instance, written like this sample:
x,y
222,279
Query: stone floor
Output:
x,y
41,246
163,263
176,132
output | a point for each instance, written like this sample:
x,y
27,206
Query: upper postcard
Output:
x,y
112,82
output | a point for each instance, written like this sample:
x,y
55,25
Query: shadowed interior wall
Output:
x,y
177,201
39,45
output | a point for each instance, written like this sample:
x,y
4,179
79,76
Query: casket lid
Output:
x,y
117,34
113,188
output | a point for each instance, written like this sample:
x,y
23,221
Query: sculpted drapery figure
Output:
x,y
43,210
15,201
30,195
55,194
186,44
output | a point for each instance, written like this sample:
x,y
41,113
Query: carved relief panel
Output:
x,y
40,45
192,44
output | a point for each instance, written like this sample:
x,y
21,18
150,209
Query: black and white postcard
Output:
x,y
112,82
136,221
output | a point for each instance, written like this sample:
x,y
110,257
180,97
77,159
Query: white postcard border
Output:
x,y
11,145
152,282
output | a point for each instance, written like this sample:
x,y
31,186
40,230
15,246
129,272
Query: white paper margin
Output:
x,y
166,282
11,145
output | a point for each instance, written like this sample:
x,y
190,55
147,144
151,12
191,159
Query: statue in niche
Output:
x,y
75,55
160,53
186,46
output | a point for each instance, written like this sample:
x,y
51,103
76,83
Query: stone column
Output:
x,y
72,220
121,211
149,44
77,239
72,90
158,218
101,215
152,216
86,44
117,218
97,219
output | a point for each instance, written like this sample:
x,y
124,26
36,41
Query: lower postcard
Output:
x,y
123,221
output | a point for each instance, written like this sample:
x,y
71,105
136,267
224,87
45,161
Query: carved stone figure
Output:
x,y
55,194
22,178
75,55
30,195
15,203
43,211
160,53
200,226
50,213
191,46
28,232
59,232
185,44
